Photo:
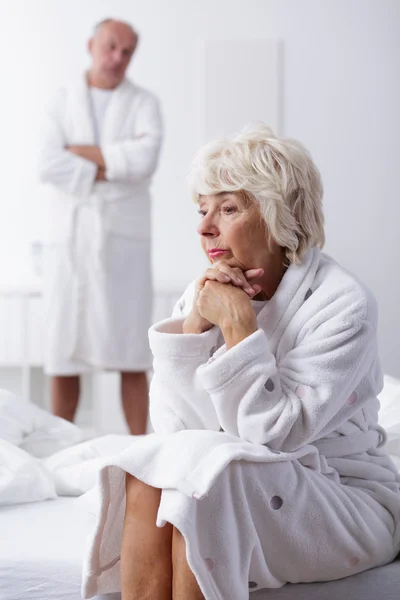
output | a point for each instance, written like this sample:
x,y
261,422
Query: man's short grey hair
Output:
x,y
111,20
278,174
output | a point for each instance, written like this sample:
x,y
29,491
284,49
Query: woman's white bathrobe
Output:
x,y
297,488
98,291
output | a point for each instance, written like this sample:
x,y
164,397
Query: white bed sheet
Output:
x,y
382,583
41,550
42,546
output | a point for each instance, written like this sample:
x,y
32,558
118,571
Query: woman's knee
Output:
x,y
140,496
178,548
131,484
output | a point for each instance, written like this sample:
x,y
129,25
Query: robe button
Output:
x,y
269,385
276,502
252,585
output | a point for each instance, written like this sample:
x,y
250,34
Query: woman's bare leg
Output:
x,y
184,583
146,563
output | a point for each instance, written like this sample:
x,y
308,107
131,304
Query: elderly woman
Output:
x,y
267,464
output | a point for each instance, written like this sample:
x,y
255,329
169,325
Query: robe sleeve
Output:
x,y
136,159
57,166
177,398
312,389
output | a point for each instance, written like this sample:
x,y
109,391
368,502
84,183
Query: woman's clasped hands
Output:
x,y
223,298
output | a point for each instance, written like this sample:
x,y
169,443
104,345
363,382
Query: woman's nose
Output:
x,y
208,226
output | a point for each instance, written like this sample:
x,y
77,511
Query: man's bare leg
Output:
x,y
146,564
135,401
184,583
65,396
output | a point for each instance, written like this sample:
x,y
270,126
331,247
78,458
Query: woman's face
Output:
x,y
232,229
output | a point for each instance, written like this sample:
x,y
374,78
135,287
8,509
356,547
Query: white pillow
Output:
x,y
389,414
22,477
33,429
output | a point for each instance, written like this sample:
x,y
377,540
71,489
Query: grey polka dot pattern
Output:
x,y
213,351
308,294
353,562
252,585
276,502
269,385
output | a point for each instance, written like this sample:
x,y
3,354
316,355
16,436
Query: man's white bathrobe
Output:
x,y
97,259
297,487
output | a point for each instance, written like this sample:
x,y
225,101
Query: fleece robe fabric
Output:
x,y
269,454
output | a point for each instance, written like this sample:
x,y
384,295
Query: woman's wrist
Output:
x,y
235,332
195,325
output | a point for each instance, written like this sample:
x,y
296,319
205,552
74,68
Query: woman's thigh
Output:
x,y
269,524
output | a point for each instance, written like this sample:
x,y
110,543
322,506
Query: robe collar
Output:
x,y
116,112
291,293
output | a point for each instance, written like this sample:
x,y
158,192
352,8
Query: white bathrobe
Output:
x,y
297,487
97,256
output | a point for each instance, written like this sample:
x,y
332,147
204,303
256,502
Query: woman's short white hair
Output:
x,y
278,174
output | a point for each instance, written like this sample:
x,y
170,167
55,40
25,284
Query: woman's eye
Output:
x,y
229,210
202,213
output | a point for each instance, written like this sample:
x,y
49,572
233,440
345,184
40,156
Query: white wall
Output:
x,y
341,98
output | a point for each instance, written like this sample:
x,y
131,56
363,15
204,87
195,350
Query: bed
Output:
x,y
42,545
377,584
41,550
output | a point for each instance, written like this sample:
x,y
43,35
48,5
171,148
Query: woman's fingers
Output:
x,y
223,273
253,274
236,276
217,275
242,282
257,289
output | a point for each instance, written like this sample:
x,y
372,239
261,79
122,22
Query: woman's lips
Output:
x,y
214,252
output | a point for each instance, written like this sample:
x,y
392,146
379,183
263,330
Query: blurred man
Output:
x,y
100,147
